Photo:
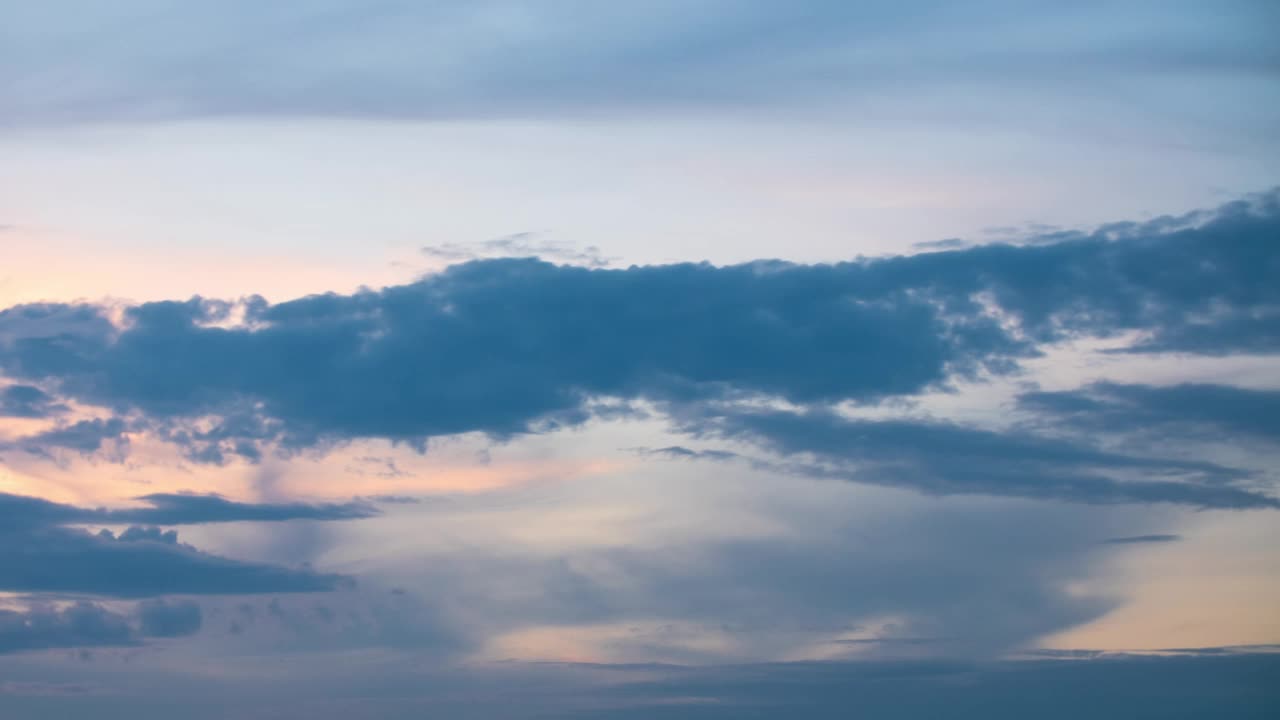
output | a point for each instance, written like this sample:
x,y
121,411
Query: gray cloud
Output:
x,y
944,571
82,624
1120,686
161,618
173,509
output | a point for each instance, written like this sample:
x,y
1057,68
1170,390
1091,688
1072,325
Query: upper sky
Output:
x,y
742,359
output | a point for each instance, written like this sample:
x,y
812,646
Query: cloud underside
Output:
x,y
39,553
504,347
69,561
44,559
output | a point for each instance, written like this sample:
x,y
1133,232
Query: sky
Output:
x,y
714,359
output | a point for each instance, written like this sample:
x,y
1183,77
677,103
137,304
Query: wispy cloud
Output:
x,y
1142,539
523,244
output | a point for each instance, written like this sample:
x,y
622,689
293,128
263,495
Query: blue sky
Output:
x,y
690,360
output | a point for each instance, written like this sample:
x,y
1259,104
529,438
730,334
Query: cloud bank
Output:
x,y
512,346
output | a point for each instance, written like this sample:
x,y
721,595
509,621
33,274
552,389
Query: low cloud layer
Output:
x,y
173,509
1110,687
39,555
1143,539
83,624
1133,686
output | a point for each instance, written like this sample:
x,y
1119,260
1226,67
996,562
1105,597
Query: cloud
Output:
x,y
375,620
832,562
524,244
944,244
187,509
84,436
1196,411
942,458
1124,686
82,624
45,332
160,618
491,59
26,401
174,509
517,345
39,555
1142,539
1113,687
680,452
68,560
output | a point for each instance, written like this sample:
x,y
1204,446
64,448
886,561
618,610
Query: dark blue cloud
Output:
x,y
501,346
511,346
1201,283
1206,412
944,459
68,560
173,509
26,401
39,555
48,335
